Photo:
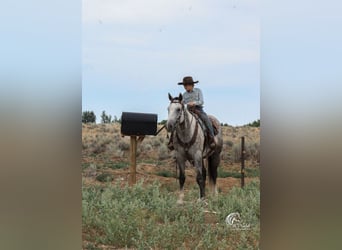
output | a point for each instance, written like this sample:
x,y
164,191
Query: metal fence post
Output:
x,y
243,152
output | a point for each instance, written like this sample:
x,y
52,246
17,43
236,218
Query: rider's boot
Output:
x,y
212,143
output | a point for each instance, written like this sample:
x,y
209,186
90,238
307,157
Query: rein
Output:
x,y
185,145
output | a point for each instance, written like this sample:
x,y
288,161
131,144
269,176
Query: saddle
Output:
x,y
214,123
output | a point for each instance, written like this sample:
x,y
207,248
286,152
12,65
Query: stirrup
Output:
x,y
211,142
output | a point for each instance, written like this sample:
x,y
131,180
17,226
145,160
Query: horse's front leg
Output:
x,y
181,165
201,173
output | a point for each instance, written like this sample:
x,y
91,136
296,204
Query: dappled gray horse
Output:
x,y
190,144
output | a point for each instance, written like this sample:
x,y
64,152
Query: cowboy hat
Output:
x,y
187,80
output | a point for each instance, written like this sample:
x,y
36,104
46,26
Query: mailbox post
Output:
x,y
133,155
137,125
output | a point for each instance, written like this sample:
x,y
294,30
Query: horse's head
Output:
x,y
175,111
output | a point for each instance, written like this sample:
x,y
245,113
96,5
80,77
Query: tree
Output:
x,y
163,122
88,117
105,118
254,123
116,119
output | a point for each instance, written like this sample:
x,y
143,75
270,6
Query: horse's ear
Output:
x,y
170,97
180,97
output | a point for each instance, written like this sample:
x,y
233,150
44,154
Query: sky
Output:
x,y
135,52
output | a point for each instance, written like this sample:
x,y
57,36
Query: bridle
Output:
x,y
185,145
179,115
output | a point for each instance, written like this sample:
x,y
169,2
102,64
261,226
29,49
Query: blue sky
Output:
x,y
135,52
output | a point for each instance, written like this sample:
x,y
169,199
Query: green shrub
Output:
x,y
123,145
118,165
163,152
148,217
166,173
88,117
229,143
252,150
97,149
105,177
223,174
156,142
105,118
146,147
252,172
255,123
249,172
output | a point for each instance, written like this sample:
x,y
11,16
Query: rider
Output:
x,y
193,98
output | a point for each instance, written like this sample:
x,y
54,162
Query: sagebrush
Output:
x,y
147,217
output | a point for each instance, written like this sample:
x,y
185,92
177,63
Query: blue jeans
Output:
x,y
204,117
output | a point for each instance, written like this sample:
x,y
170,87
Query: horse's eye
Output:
x,y
178,109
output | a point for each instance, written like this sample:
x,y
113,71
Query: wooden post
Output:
x,y
243,152
133,166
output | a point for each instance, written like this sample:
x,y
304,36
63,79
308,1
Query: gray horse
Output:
x,y
190,144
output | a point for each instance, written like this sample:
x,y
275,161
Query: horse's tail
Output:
x,y
213,163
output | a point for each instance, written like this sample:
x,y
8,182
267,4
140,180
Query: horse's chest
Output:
x,y
190,154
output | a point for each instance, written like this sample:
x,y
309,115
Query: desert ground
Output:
x,y
106,152
105,168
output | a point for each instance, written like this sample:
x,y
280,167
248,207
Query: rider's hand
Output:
x,y
191,104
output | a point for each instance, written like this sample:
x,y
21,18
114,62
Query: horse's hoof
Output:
x,y
202,200
180,202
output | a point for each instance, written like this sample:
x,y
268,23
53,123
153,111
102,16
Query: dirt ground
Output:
x,y
149,173
103,147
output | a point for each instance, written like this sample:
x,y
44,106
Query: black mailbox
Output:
x,y
138,123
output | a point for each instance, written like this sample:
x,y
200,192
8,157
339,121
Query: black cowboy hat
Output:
x,y
187,80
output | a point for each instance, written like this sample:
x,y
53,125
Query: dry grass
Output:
x,y
104,140
105,163
106,151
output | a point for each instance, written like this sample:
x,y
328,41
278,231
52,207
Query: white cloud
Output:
x,y
205,56
216,56
149,11
135,11
129,40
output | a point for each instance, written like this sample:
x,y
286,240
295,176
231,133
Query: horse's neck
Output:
x,y
187,127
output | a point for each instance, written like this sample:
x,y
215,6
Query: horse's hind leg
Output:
x,y
213,162
201,175
181,166
204,174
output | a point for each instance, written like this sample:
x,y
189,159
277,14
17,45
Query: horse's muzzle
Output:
x,y
169,127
